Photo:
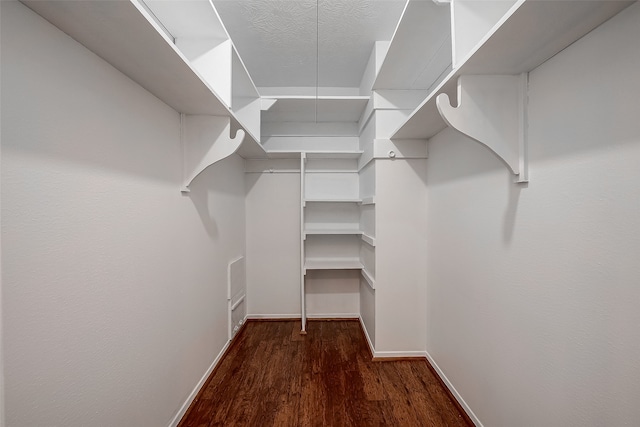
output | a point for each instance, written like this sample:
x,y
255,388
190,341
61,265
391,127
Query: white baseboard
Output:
x,y
309,316
453,391
273,316
183,409
366,334
333,316
394,354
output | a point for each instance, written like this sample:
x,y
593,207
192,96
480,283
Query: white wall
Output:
x,y
114,286
533,291
401,221
273,244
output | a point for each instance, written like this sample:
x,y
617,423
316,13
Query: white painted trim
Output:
x,y
453,391
273,316
366,334
371,241
237,303
183,409
333,316
368,200
410,353
368,278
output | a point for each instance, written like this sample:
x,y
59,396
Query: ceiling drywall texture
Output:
x,y
278,39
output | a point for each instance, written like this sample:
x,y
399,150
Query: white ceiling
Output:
x,y
278,39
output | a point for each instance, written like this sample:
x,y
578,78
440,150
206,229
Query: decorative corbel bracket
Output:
x,y
205,140
492,110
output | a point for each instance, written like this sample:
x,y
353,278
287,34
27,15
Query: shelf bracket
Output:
x,y
492,110
205,140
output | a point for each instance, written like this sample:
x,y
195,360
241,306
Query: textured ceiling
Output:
x,y
278,39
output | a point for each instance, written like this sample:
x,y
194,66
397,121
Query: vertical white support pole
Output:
x,y
523,146
303,307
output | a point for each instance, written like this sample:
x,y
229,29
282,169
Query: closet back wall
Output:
x,y
114,284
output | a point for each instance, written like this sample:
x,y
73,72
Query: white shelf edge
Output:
x,y
332,264
333,231
371,241
367,277
321,97
368,200
313,200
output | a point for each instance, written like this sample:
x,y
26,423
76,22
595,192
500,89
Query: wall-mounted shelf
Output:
x,y
126,35
420,49
371,241
332,264
367,277
308,109
331,232
513,46
336,200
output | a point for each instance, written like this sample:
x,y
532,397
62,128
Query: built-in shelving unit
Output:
x,y
332,236
493,38
179,51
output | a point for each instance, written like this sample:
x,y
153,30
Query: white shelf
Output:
x,y
420,50
333,200
310,109
371,241
332,264
334,155
514,46
367,277
125,34
368,201
331,231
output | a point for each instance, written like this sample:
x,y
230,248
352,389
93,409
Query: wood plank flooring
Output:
x,y
273,376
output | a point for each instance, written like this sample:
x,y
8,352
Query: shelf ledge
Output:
x,y
492,110
367,277
205,141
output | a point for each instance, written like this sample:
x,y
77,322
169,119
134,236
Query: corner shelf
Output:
x,y
126,35
512,47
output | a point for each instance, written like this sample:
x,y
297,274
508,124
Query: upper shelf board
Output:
x,y
530,33
121,34
195,19
420,49
310,109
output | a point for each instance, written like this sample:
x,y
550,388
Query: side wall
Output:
x,y
114,286
533,291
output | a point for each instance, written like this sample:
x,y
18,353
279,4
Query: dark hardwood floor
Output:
x,y
273,376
